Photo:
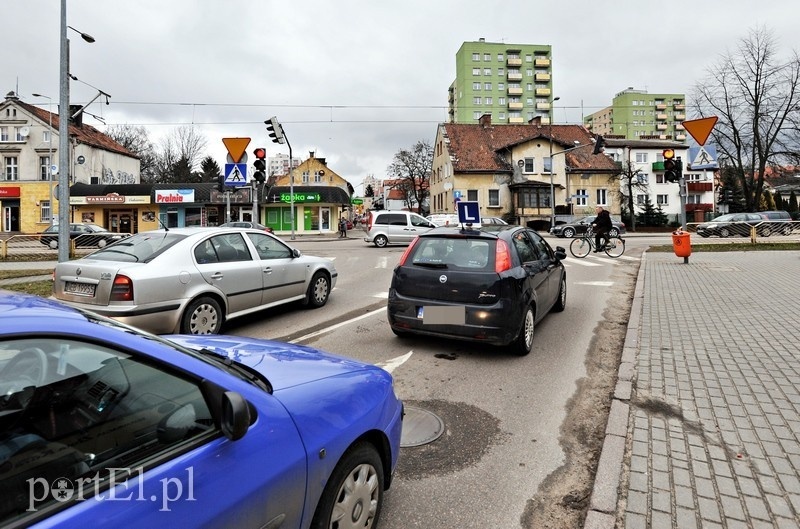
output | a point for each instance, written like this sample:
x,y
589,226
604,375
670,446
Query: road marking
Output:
x,y
581,262
595,283
383,262
390,365
336,326
381,295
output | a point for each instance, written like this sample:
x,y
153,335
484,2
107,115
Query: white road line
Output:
x,y
595,283
390,365
580,262
381,295
340,324
383,262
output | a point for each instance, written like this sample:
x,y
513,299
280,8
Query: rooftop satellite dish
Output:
x,y
25,132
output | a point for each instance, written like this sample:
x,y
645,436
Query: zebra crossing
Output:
x,y
596,260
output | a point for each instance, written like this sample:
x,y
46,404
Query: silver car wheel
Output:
x,y
357,500
569,233
203,317
318,290
524,342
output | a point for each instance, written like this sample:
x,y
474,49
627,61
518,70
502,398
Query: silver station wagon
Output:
x,y
192,280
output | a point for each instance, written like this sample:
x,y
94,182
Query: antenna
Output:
x,y
25,132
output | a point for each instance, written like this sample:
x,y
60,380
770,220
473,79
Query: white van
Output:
x,y
395,227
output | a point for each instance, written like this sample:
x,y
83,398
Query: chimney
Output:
x,y
485,120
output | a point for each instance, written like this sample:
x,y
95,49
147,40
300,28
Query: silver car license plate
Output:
x,y
81,289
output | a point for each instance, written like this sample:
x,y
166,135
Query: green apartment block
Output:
x,y
637,115
512,82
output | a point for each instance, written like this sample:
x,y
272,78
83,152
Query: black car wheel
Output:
x,y
569,233
353,496
318,291
724,232
102,243
561,302
524,342
381,241
202,316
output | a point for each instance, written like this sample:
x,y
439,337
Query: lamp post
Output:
x,y
49,150
552,168
63,136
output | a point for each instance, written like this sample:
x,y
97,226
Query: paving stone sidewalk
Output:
x,y
704,430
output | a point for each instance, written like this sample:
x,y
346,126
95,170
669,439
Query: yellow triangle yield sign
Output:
x,y
700,129
236,147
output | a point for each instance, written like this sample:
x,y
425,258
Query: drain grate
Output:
x,y
420,427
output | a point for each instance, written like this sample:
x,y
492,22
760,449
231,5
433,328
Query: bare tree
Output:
x,y
411,168
628,181
179,154
755,95
136,140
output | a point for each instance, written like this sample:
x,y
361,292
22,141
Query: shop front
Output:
x,y
317,208
118,208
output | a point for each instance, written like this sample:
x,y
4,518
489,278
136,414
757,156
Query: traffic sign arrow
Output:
x,y
236,147
700,129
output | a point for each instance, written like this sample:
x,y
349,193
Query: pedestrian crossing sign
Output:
x,y
236,174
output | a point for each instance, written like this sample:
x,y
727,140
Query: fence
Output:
x,y
753,229
44,247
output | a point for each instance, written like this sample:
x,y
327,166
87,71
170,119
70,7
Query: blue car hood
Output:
x,y
284,365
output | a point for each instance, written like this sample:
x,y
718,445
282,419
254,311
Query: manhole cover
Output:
x,y
420,427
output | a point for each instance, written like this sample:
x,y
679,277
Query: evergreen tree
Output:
x,y
210,171
792,207
650,215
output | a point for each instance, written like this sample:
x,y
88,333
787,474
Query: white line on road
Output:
x,y
595,283
581,263
393,363
340,324
381,295
383,262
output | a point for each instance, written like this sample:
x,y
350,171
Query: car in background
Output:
x,y
448,219
84,234
730,224
778,222
582,225
489,285
493,221
193,280
247,224
104,422
395,227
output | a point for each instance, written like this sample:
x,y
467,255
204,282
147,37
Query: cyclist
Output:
x,y
601,226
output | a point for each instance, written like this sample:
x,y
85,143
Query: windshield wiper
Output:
x,y
241,370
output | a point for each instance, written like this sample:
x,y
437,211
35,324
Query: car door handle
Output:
x,y
267,270
217,275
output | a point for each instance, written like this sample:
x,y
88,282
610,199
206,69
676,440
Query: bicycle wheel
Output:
x,y
615,247
580,247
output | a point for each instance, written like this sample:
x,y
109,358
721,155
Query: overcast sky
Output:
x,y
354,80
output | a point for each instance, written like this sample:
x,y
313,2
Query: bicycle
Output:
x,y
614,245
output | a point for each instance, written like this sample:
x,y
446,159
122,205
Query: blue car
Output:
x,y
102,425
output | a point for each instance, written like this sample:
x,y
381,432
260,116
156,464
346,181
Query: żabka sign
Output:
x,y
174,196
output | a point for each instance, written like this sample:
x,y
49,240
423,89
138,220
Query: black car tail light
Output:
x,y
502,257
122,289
408,251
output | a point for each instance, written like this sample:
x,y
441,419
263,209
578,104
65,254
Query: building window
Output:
x,y
488,100
528,57
477,115
529,73
46,136
501,71
494,197
529,87
44,211
662,200
11,168
476,56
534,198
693,199
501,115
530,165
3,133
476,100
476,71
643,178
317,177
602,197
305,177
44,168
641,199
18,134
641,157
487,57
499,57
487,86
487,71
660,179
476,86
472,195
501,100
582,197
547,165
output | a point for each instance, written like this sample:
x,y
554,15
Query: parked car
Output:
x,y
395,227
581,226
84,234
778,222
192,280
731,224
105,424
247,224
490,285
493,220
448,219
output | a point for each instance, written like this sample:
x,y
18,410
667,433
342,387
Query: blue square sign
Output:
x,y
468,212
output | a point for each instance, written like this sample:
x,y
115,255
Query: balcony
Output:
x,y
661,106
542,106
680,106
679,126
515,91
514,61
658,166
699,207
545,120
541,63
661,126
514,75
700,187
542,92
680,117
680,137
515,105
662,117
542,77
515,120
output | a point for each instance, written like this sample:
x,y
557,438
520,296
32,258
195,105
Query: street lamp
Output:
x,y
63,136
552,168
49,150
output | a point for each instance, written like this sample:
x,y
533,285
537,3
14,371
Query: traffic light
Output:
x,y
260,165
599,145
221,183
671,171
727,195
275,130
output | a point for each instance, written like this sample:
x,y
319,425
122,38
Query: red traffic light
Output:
x,y
260,153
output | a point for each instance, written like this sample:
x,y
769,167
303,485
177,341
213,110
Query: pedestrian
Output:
x,y
343,228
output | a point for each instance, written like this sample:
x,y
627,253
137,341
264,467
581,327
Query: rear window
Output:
x,y
139,248
391,219
454,253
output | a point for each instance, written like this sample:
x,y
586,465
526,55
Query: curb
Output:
x,y
605,491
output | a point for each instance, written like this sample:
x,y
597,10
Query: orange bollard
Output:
x,y
681,244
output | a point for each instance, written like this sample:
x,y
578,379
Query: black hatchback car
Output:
x,y
489,285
